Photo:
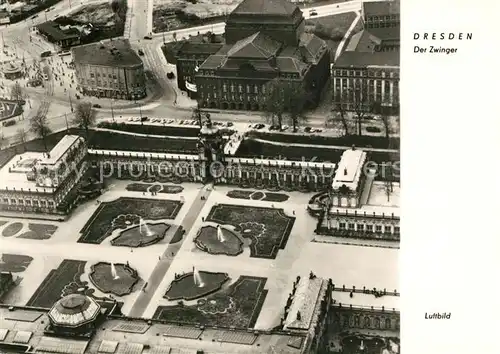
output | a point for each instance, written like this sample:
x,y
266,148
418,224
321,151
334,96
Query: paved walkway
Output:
x,y
347,35
322,146
168,257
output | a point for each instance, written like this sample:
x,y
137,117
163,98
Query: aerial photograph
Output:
x,y
199,176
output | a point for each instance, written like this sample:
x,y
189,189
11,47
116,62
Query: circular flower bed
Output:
x,y
123,283
12,229
186,288
208,241
141,236
124,221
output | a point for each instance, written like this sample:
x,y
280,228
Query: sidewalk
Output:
x,y
338,147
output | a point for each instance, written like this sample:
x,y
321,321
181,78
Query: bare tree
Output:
x,y
39,126
16,92
358,99
21,137
174,36
274,104
388,188
297,98
85,117
339,115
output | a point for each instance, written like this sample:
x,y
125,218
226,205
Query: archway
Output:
x,y
241,106
255,107
249,107
232,106
225,105
213,105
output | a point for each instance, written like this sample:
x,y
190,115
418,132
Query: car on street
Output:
x,y
148,37
259,126
230,124
34,16
140,52
313,13
181,122
307,129
96,105
131,119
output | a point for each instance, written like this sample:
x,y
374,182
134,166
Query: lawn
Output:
x,y
268,228
102,278
152,129
185,287
12,229
59,282
239,306
137,236
257,195
331,29
157,188
39,231
14,263
125,142
208,241
112,215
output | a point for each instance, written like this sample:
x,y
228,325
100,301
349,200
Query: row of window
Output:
x,y
28,202
382,25
365,73
103,75
355,321
387,229
381,18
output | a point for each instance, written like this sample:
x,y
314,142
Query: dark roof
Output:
x,y
265,7
386,33
311,47
117,53
199,48
364,59
53,30
258,46
363,41
381,8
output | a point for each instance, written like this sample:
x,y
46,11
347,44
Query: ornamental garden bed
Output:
x,y
58,283
156,188
257,195
372,345
14,263
207,241
119,284
152,129
12,229
267,228
187,288
39,231
106,140
237,306
124,212
347,141
141,235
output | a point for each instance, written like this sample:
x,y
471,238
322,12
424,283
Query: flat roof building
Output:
x,y
110,69
63,36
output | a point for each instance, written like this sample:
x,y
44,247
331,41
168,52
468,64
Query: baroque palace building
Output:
x,y
366,75
264,41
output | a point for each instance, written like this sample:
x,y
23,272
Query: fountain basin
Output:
x,y
138,237
207,241
185,287
102,278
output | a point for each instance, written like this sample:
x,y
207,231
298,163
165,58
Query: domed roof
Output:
x,y
74,310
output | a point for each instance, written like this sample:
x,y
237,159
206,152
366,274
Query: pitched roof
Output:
x,y
381,8
199,48
311,47
364,59
117,52
257,46
265,7
363,41
54,30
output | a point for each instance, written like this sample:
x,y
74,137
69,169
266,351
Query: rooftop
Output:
x,y
304,301
350,168
138,336
389,302
363,41
381,8
354,59
13,175
258,46
265,7
54,30
116,53
387,33
60,149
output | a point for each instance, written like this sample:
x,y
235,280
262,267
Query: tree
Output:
x,y
358,98
297,98
21,137
174,36
85,117
197,115
389,188
39,126
274,104
384,117
16,92
339,115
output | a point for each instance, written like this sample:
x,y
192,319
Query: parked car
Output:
x,y
307,129
148,37
313,13
96,105
181,122
131,119
77,96
144,119
230,124
8,123
259,126
372,129
170,75
140,52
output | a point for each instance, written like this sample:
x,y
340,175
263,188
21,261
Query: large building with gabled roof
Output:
x,y
264,41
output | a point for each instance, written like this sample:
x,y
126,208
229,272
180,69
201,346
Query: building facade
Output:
x,y
112,69
264,42
42,183
356,317
366,75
